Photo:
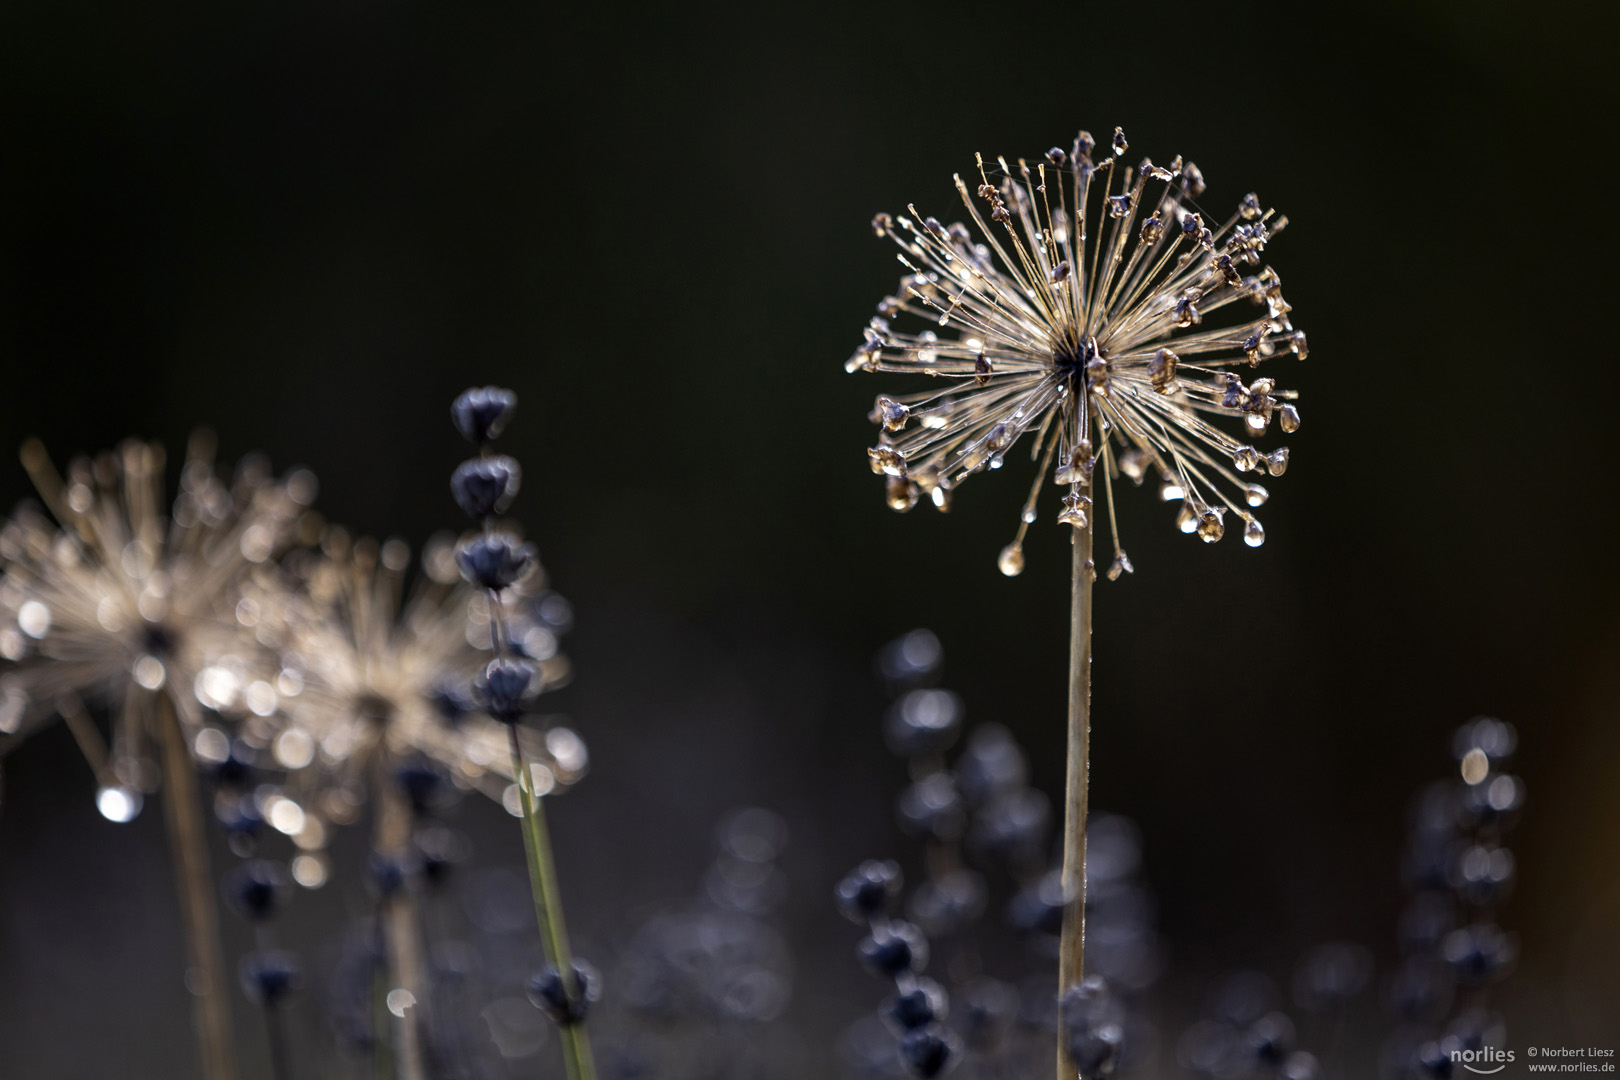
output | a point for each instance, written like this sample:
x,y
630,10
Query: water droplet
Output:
x,y
886,461
567,750
309,871
212,745
1162,371
1257,422
34,619
118,803
1245,459
215,686
149,672
1133,463
1253,533
1475,766
1011,559
1277,462
1256,495
901,494
286,816
257,543
294,748
1122,565
1170,491
1288,418
260,698
1210,526
1187,520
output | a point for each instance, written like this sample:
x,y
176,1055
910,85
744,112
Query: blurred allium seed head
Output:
x,y
1080,318
125,598
370,666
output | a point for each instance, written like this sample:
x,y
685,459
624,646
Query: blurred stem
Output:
x,y
210,1009
548,909
404,944
276,1031
1071,946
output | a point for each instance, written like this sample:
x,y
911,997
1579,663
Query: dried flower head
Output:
x,y
372,675
1081,317
124,600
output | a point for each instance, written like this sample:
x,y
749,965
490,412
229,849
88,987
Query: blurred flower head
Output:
x,y
375,673
123,599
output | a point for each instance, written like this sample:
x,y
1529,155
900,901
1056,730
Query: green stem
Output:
x,y
1072,942
548,909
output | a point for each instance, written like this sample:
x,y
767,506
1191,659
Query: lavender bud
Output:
x,y
485,486
494,562
566,1008
480,414
502,688
267,977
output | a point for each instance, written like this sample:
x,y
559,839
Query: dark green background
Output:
x,y
309,225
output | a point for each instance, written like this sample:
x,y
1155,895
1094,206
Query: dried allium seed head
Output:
x,y
1098,316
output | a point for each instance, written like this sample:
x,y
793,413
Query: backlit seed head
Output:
x,y
1097,308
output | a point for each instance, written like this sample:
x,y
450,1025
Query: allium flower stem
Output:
x,y
210,1008
1071,947
548,906
401,934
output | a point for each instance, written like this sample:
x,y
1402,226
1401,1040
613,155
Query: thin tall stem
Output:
x,y
406,968
1072,943
548,909
276,1032
210,1008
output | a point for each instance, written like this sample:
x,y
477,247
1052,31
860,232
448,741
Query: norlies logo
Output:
x,y
1485,1060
